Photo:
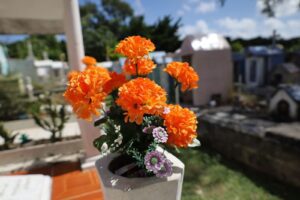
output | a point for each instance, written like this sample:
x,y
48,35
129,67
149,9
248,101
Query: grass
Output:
x,y
208,176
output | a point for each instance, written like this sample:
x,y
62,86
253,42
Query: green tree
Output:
x,y
12,106
136,26
40,44
117,14
117,9
103,25
98,38
164,34
236,46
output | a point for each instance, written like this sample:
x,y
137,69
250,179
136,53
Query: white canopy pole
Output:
x,y
73,33
75,50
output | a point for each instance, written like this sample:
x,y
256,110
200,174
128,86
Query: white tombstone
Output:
x,y
25,187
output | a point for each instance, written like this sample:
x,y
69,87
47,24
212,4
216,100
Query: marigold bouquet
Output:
x,y
136,118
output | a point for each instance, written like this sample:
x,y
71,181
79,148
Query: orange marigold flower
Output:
x,y
89,61
85,91
143,65
141,96
181,124
115,82
184,74
135,46
71,74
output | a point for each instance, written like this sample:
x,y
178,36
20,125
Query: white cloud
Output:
x,y
284,8
292,28
273,24
198,6
140,10
206,7
185,8
248,28
244,27
285,28
200,27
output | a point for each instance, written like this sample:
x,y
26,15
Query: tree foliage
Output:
x,y
164,35
40,43
269,6
113,20
12,106
292,44
103,25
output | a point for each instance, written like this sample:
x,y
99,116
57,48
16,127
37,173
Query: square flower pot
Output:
x,y
117,187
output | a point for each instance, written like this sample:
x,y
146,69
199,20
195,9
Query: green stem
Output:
x,y
137,70
176,85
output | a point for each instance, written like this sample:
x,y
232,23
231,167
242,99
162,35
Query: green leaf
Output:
x,y
100,121
98,142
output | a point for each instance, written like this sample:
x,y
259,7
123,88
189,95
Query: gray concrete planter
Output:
x,y
39,152
121,188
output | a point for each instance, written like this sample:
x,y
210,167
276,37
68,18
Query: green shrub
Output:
x,y
51,118
7,137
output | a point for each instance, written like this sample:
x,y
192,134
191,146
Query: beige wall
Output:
x,y
216,74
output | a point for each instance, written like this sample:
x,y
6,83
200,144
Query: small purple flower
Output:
x,y
166,170
154,161
160,135
148,129
166,110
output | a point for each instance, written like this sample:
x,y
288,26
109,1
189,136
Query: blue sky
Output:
x,y
237,18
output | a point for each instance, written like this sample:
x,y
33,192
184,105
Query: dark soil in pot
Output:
x,y
125,166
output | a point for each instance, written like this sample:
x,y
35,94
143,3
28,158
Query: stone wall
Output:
x,y
252,143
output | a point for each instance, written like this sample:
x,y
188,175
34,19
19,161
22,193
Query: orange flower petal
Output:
x,y
141,96
135,46
88,60
85,91
144,66
184,74
115,82
181,124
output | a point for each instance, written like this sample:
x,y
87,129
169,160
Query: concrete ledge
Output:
x,y
254,146
39,152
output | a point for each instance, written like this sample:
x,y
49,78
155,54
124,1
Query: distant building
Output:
x,y
255,65
287,73
210,55
294,57
13,84
260,61
3,61
239,67
40,71
285,103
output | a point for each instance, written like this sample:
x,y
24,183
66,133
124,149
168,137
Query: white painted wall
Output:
x,y
215,70
282,95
